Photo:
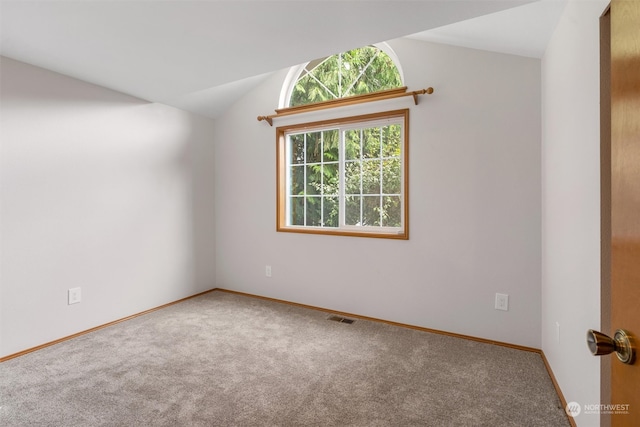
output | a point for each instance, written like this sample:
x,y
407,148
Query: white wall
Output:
x,y
99,190
474,205
571,202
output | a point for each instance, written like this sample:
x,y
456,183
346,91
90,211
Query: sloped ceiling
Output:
x,y
524,30
199,55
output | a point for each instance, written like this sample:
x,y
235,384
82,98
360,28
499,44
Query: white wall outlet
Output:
x,y
502,302
267,271
74,296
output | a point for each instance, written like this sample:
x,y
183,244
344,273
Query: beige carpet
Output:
x,y
228,360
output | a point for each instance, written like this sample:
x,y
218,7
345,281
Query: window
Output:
x,y
346,176
355,72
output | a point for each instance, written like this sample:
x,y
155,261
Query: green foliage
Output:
x,y
372,177
372,168
355,72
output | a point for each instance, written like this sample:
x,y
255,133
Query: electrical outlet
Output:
x,y
267,271
74,295
502,302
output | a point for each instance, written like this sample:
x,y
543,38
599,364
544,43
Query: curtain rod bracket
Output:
x,y
268,119
415,94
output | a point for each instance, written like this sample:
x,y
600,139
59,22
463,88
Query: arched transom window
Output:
x,y
347,175
355,72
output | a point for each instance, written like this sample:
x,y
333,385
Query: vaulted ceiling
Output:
x,y
199,55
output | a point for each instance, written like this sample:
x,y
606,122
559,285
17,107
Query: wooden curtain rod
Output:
x,y
359,99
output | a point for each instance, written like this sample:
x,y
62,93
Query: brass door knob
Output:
x,y
601,344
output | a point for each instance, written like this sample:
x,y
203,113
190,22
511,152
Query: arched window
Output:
x,y
355,72
347,175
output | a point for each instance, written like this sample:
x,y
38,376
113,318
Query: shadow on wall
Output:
x,y
102,191
201,175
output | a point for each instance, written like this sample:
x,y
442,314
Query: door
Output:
x,y
625,204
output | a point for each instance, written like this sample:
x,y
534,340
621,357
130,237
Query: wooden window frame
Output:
x,y
282,170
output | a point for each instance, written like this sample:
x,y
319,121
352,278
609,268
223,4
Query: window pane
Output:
x,y
331,179
297,210
371,211
297,149
371,146
356,61
352,210
331,211
346,178
314,176
308,90
296,180
314,147
352,144
330,145
391,174
314,211
358,71
391,141
381,73
371,177
391,212
352,177
312,65
326,73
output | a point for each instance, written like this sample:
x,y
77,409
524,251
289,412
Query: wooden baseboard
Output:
x,y
357,316
373,319
341,313
32,349
563,401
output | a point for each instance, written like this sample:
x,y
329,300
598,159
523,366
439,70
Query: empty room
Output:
x,y
346,213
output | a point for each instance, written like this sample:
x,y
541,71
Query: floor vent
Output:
x,y
341,319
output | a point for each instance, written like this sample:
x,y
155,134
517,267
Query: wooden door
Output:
x,y
625,202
